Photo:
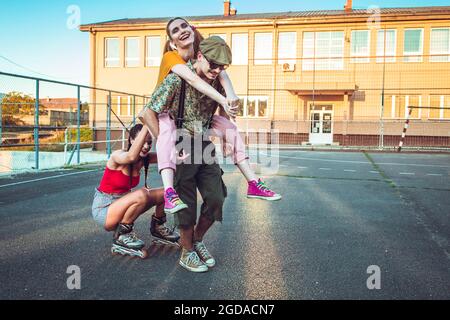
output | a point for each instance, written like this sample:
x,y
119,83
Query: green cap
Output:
x,y
216,50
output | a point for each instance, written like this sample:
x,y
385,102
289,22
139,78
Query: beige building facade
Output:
x,y
321,77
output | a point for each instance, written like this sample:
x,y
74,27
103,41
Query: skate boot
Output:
x,y
125,242
161,233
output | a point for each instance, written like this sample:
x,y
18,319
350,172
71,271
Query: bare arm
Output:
x,y
198,83
225,81
132,155
150,118
153,157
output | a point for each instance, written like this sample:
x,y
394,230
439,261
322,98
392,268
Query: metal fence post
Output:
x,y
78,124
134,110
1,122
65,145
36,127
108,126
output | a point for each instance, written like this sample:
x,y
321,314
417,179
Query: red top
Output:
x,y
115,181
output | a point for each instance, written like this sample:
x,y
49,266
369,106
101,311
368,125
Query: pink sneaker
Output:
x,y
259,190
173,203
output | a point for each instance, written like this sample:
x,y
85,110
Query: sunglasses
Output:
x,y
214,66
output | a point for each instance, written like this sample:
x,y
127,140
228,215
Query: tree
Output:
x,y
17,103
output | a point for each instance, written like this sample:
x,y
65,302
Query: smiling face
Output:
x,y
210,70
146,147
181,33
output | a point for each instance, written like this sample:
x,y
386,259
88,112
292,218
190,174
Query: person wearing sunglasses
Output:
x,y
182,46
200,171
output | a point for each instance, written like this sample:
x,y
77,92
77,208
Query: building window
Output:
x,y
413,45
132,52
413,101
239,47
360,46
386,45
441,107
389,107
263,48
221,35
153,51
287,47
253,107
121,105
398,106
323,51
440,45
112,58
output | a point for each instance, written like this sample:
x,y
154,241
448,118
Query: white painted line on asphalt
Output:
x,y
434,174
324,169
302,167
408,173
348,170
365,162
373,171
46,178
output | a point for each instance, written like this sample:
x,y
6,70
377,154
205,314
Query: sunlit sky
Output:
x,y
37,41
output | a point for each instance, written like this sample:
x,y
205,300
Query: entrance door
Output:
x,y
321,130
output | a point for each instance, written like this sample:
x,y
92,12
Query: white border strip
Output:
x,y
46,178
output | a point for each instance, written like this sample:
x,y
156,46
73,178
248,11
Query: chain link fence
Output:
x,y
321,101
347,102
48,124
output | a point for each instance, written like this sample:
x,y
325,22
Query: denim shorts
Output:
x,y
100,205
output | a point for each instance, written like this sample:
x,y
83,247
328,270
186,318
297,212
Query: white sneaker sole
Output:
x,y
275,198
211,264
193,269
176,209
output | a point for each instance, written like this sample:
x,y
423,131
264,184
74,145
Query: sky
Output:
x,y
39,38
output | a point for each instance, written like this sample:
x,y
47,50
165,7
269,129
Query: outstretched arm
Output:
x,y
198,83
160,100
150,118
132,155
225,81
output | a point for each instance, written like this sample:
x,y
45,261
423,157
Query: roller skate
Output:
x,y
125,242
161,233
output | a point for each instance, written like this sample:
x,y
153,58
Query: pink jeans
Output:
x,y
221,128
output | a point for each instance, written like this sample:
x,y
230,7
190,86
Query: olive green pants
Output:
x,y
207,178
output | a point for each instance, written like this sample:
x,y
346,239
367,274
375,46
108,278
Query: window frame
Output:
x,y
107,59
263,60
331,61
358,58
439,53
158,58
288,59
245,62
408,55
138,59
380,57
257,102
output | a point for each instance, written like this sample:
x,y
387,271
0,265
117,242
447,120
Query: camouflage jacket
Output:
x,y
198,108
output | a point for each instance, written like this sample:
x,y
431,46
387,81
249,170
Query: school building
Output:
x,y
339,77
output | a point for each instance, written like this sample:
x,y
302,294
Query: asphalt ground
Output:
x,y
341,212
